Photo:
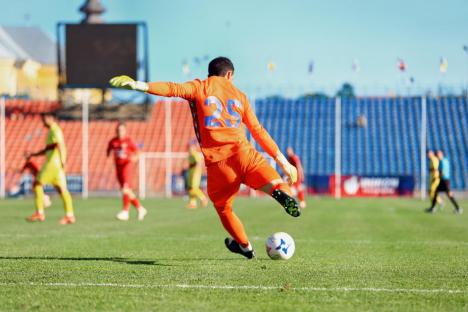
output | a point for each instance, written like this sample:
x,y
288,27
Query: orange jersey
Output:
x,y
219,111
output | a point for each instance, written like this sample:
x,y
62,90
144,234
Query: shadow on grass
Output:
x,y
121,260
111,259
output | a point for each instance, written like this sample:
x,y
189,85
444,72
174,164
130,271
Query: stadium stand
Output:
x,y
448,130
387,142
26,133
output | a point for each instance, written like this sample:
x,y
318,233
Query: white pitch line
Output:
x,y
244,287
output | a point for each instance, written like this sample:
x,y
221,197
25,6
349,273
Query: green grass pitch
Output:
x,y
353,254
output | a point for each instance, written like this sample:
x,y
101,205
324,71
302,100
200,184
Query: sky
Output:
x,y
291,34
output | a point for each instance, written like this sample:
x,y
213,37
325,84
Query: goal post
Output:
x,y
163,170
2,147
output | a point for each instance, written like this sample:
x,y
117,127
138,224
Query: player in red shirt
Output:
x,y
220,114
296,162
30,166
125,154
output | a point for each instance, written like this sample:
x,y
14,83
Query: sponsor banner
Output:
x,y
366,186
318,184
370,186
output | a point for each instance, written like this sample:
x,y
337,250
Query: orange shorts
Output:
x,y
225,177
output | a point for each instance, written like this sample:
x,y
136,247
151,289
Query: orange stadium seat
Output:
x,y
25,133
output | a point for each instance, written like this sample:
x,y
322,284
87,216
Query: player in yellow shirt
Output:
x,y
434,176
194,177
52,172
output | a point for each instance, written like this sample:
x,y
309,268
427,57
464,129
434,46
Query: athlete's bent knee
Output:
x,y
60,189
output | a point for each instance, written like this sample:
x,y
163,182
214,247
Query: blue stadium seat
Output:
x,y
388,145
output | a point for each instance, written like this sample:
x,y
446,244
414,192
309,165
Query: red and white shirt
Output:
x,y
123,150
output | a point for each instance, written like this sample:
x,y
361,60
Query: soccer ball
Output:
x,y
280,246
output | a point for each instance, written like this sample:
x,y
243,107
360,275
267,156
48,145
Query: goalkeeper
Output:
x,y
220,111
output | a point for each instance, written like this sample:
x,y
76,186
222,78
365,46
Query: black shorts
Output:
x,y
444,186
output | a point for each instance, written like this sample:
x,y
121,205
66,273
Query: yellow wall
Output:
x,y
40,82
7,77
47,81
27,73
28,78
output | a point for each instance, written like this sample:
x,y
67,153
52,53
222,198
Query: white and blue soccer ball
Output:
x,y
280,246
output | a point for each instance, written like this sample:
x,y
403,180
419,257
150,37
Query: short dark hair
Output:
x,y
220,66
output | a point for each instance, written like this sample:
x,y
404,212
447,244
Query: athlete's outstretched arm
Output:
x,y
185,90
267,143
259,133
42,151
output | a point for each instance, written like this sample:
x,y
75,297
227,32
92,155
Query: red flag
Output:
x,y
401,65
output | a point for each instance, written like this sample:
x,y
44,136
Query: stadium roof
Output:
x,y
23,43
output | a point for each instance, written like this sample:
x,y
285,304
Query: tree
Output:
x,y
314,96
346,91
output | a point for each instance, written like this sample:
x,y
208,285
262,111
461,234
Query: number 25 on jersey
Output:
x,y
215,120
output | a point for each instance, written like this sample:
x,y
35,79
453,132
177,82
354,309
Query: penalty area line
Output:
x,y
244,287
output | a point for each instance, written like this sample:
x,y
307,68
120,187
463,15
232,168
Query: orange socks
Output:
x,y
281,186
233,225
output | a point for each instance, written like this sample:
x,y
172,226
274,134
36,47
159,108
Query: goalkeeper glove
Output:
x,y
128,83
289,170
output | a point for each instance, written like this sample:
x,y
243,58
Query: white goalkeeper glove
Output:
x,y
128,83
289,170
